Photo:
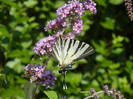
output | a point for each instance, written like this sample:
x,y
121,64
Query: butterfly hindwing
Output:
x,y
82,51
78,50
66,51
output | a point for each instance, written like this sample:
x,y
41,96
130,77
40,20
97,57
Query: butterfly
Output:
x,y
67,51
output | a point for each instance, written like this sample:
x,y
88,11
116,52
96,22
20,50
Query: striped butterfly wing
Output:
x,y
67,51
57,50
78,50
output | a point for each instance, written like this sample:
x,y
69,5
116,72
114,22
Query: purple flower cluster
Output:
x,y
69,15
106,89
75,7
70,36
113,92
44,45
90,5
37,74
93,92
129,8
77,25
63,97
72,8
115,95
56,24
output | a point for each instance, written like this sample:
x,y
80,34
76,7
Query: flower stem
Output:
x,y
34,91
109,92
45,65
94,95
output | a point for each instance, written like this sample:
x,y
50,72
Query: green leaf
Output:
x,y
30,3
114,66
100,48
26,43
58,3
22,29
42,16
32,19
10,2
114,81
34,24
28,89
51,94
4,32
12,91
22,19
85,78
74,78
109,23
116,2
106,63
94,83
117,50
131,75
13,12
129,64
114,72
102,2
99,58
13,63
117,39
15,53
45,8
53,15
86,27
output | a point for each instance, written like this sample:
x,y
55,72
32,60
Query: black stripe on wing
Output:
x,y
74,41
69,45
54,56
67,48
65,42
79,45
81,51
87,52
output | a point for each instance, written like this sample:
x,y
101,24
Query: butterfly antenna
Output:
x,y
64,83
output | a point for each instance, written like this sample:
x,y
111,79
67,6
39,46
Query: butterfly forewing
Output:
x,y
82,51
55,54
57,51
68,50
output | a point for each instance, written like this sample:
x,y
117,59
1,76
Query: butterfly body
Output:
x,y
67,51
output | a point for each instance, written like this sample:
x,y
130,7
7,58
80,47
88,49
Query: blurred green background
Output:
x,y
109,32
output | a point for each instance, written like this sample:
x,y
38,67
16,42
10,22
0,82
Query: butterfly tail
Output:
x,y
64,83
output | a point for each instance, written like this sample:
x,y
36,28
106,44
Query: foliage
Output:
x,y
109,32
